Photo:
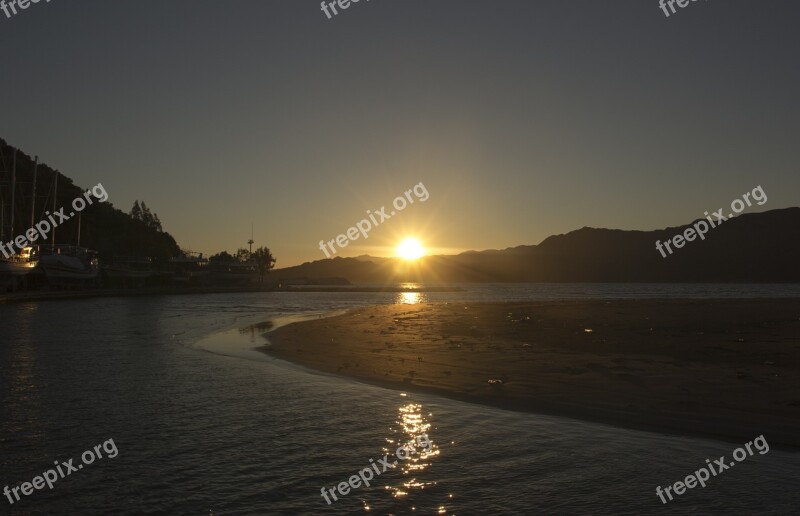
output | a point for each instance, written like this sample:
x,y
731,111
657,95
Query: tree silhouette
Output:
x,y
136,211
264,260
221,258
142,213
242,255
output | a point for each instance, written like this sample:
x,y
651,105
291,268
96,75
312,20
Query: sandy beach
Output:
x,y
721,368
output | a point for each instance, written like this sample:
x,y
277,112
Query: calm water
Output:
x,y
205,425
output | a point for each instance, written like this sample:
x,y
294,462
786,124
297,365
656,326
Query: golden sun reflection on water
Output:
x,y
410,298
413,429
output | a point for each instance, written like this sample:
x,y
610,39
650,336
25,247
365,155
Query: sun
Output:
x,y
410,249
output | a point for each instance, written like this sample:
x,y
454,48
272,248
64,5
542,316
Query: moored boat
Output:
x,y
24,260
190,267
19,264
130,268
68,264
130,271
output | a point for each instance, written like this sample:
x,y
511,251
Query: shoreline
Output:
x,y
54,295
726,369
51,295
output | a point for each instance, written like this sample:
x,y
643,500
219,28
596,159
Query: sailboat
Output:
x,y
20,264
24,260
63,262
67,263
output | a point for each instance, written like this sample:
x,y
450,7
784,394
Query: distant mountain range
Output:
x,y
756,247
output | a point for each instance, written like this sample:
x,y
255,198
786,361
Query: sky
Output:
x,y
521,118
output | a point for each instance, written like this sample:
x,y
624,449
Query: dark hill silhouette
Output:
x,y
104,228
756,247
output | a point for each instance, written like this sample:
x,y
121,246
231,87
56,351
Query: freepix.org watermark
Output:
x,y
366,475
343,4
663,4
43,228
701,475
9,7
363,227
62,470
701,227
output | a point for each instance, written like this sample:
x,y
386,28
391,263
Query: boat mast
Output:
x,y
2,204
55,200
33,195
2,216
13,189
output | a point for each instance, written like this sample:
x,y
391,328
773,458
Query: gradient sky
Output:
x,y
523,118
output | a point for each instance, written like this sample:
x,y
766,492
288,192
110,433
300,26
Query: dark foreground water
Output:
x,y
204,425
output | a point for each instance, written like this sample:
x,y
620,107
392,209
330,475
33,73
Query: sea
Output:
x,y
201,422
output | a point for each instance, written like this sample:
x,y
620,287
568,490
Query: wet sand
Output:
x,y
721,368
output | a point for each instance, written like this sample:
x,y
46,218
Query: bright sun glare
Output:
x,y
410,249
